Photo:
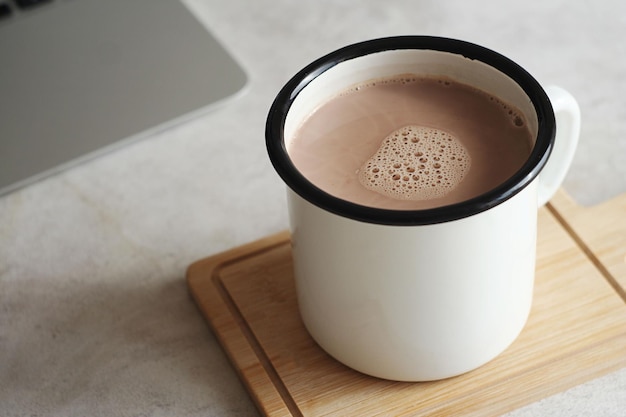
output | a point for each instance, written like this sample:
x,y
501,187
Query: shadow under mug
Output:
x,y
417,295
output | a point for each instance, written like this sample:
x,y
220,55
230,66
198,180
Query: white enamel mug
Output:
x,y
424,294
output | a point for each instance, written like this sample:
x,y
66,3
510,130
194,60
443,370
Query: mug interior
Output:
x,y
420,62
422,56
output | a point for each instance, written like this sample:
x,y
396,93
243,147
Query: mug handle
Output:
x,y
567,113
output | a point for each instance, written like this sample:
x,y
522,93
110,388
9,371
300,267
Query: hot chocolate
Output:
x,y
410,142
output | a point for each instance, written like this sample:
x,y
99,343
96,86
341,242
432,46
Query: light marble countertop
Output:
x,y
95,317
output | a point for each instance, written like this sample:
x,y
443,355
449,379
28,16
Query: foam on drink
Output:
x,y
416,163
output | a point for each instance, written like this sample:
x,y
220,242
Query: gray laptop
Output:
x,y
81,77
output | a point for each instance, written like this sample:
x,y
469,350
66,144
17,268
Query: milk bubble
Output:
x,y
416,163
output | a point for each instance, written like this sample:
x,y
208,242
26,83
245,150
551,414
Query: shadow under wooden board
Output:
x,y
576,330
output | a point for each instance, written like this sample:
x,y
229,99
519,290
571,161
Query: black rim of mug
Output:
x,y
275,141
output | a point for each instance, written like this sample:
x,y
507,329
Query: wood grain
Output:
x,y
576,331
601,233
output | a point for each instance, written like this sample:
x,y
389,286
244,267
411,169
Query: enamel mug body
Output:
x,y
426,294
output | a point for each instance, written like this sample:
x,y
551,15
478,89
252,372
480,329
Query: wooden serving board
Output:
x,y
576,330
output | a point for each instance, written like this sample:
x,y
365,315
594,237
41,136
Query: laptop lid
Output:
x,y
78,78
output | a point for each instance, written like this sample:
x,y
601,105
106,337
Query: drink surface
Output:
x,y
410,143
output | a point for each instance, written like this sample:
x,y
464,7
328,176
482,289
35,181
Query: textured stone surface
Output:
x,y
95,318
